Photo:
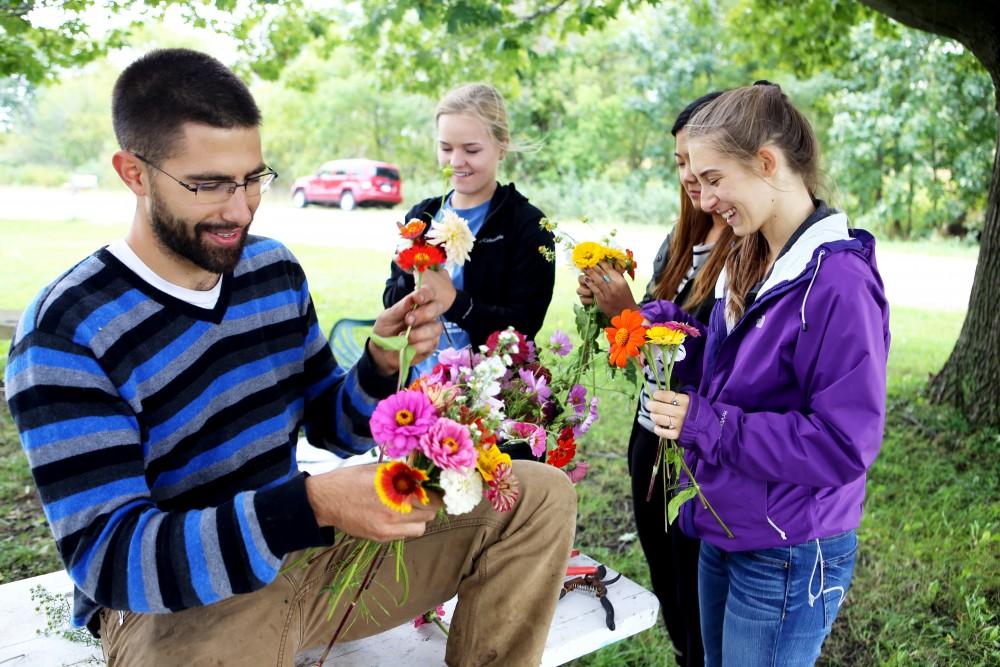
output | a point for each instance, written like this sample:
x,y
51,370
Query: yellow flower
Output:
x,y
588,254
616,256
489,459
660,335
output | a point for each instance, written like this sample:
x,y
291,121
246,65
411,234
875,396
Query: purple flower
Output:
x,y
536,385
560,344
457,358
549,412
449,445
578,398
400,420
584,425
456,362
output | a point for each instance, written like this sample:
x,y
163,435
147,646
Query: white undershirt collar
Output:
x,y
200,298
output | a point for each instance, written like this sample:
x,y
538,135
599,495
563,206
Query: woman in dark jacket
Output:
x,y
506,281
684,272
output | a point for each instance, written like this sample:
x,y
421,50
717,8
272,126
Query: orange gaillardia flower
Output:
x,y
397,484
627,335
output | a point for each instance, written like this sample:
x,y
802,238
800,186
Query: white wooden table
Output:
x,y
21,645
577,629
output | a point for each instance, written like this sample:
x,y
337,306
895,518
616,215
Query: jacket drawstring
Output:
x,y
802,311
822,580
775,526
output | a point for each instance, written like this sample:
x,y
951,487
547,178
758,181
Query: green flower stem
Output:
x,y
404,366
585,350
437,621
704,501
648,350
680,457
680,453
376,563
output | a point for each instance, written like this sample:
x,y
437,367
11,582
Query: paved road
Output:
x,y
908,276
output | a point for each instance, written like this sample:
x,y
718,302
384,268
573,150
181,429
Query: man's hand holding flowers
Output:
x,y
420,311
346,498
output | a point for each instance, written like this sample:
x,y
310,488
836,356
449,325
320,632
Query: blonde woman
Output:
x,y
507,281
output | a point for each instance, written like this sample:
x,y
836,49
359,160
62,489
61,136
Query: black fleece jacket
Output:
x,y
507,280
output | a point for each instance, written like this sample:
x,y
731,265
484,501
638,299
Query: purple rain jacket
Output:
x,y
790,405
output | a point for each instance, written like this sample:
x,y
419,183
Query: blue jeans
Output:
x,y
772,607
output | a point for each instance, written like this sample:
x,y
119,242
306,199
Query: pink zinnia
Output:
x,y
577,472
428,617
503,490
449,445
680,326
400,420
532,433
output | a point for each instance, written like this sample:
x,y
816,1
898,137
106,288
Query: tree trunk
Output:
x,y
970,379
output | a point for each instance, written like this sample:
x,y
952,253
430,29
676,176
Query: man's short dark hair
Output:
x,y
166,88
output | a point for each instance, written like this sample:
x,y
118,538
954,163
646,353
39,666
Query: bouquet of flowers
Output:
x,y
544,407
443,244
661,345
441,434
584,255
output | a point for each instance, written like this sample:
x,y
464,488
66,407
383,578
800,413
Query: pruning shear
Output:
x,y
592,580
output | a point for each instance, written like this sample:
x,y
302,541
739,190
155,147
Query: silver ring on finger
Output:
x,y
670,423
674,402
606,278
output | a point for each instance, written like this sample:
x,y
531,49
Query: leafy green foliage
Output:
x,y
905,118
26,544
35,52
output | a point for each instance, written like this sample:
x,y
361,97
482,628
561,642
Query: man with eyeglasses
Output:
x,y
159,387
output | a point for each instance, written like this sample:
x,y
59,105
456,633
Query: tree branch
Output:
x,y
974,23
542,12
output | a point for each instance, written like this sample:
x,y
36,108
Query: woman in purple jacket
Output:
x,y
788,413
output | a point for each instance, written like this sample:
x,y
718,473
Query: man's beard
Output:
x,y
177,237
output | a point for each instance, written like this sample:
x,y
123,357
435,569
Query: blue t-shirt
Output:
x,y
459,337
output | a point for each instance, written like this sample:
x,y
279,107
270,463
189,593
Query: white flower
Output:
x,y
452,231
485,380
463,489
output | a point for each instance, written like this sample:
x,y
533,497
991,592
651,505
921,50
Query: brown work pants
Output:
x,y
506,568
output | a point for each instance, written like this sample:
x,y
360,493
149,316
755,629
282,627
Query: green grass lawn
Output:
x,y
927,583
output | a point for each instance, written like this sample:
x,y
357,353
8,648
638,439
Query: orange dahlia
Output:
x,y
397,484
627,335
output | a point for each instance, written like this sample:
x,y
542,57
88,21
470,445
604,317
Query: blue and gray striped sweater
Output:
x,y
161,435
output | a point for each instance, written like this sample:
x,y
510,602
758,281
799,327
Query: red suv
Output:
x,y
350,183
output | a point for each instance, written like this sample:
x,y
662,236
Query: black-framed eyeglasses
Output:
x,y
217,192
